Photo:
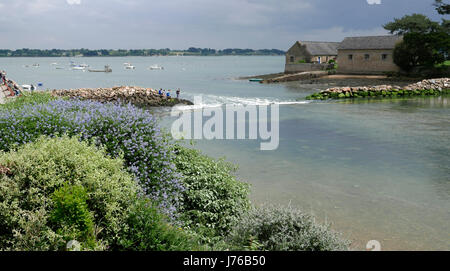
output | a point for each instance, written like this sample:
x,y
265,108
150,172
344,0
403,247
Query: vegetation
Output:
x,y
147,229
284,229
441,7
425,45
123,131
90,172
26,52
391,93
55,190
27,98
213,198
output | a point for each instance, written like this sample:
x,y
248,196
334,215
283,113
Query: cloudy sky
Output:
x,y
179,24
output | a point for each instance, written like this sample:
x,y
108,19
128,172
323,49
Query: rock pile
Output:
x,y
135,95
423,88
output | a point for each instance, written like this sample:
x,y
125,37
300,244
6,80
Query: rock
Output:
x,y
135,95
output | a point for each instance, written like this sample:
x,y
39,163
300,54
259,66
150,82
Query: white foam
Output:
x,y
211,101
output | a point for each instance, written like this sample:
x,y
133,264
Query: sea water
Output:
x,y
376,170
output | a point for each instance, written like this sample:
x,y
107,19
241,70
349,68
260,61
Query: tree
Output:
x,y
416,23
425,42
441,7
420,49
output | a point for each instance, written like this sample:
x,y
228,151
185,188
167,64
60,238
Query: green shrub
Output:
x,y
28,98
33,181
71,215
214,198
283,229
147,229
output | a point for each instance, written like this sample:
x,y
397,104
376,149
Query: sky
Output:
x,y
180,24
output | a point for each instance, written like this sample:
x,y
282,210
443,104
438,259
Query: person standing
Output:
x,y
178,93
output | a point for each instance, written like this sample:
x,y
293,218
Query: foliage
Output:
x,y
283,229
148,230
39,201
123,131
422,50
71,215
27,98
441,7
214,198
415,23
425,43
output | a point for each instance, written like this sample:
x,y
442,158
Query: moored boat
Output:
x,y
106,69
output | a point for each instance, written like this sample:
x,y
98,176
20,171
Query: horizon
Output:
x,y
139,24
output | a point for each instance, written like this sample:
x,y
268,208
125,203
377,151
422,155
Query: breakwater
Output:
x,y
428,87
135,95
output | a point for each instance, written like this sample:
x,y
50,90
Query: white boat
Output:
x,y
78,68
28,87
155,67
130,67
35,65
84,65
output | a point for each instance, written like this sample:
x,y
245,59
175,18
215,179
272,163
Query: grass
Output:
x,y
27,98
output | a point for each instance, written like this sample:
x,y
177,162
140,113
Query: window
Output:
x,y
366,56
384,56
291,59
350,57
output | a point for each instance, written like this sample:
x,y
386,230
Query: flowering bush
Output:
x,y
53,190
122,130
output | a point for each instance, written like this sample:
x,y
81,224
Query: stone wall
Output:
x,y
360,65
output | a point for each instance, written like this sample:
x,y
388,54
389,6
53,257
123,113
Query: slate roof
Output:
x,y
370,43
321,48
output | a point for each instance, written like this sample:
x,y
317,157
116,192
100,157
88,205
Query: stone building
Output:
x,y
310,56
367,55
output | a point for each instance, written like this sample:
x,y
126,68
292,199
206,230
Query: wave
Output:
x,y
211,101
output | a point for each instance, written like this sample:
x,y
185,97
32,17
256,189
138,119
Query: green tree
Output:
x,y
441,7
416,23
419,49
425,42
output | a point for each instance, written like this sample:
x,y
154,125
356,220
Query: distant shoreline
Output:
x,y
25,52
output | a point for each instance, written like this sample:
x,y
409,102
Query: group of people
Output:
x,y
163,93
13,88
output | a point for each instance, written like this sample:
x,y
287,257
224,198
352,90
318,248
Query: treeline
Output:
x,y
25,52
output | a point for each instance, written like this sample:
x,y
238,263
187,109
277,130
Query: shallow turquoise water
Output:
x,y
375,170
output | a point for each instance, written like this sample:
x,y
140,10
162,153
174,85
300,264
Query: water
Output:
x,y
375,169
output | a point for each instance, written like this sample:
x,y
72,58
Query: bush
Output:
x,y
213,198
122,130
42,202
27,98
71,215
148,230
283,229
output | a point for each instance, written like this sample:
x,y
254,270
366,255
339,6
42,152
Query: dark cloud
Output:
x,y
179,24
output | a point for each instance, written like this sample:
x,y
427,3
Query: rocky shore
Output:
x,y
429,87
135,95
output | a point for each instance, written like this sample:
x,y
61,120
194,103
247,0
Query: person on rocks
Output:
x,y
178,93
168,94
160,92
